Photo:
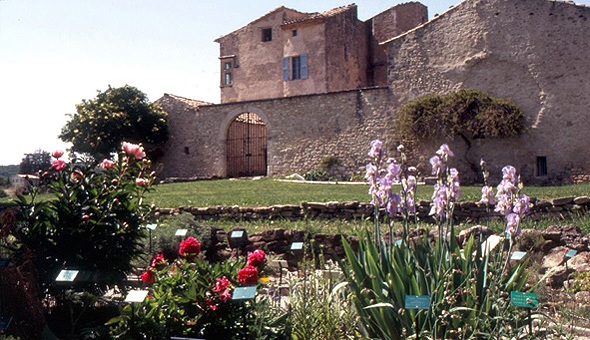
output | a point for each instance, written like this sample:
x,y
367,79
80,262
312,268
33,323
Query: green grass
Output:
x,y
267,191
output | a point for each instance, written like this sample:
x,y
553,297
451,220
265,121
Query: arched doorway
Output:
x,y
246,146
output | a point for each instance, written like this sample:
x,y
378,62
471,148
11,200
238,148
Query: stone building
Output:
x,y
530,51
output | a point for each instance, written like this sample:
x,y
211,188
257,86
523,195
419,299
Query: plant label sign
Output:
x,y
297,246
518,255
151,226
526,300
136,296
181,232
236,234
417,302
571,253
244,293
66,275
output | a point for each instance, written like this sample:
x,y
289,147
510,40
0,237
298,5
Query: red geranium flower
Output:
x,y
148,277
248,276
257,258
221,284
189,247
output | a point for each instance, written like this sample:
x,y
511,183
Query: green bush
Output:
x,y
94,220
470,114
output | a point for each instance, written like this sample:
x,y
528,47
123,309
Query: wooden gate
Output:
x,y
246,146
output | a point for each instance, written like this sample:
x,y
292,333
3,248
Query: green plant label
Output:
x,y
518,255
244,293
526,300
66,275
571,253
296,245
397,243
417,302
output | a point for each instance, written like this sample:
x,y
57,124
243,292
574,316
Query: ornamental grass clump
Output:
x,y
191,297
466,289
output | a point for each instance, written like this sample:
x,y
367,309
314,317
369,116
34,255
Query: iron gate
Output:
x,y
246,146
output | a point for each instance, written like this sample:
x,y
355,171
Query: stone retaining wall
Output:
x,y
464,211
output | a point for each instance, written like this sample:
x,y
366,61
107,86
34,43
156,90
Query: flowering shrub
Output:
x,y
192,297
467,288
94,219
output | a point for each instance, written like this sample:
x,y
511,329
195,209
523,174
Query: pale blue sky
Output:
x,y
55,53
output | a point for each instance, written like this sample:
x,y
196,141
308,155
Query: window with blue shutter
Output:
x,y
285,68
303,60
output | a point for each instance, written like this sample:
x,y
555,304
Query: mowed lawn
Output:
x,y
268,191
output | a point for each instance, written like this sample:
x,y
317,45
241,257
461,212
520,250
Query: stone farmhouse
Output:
x,y
298,87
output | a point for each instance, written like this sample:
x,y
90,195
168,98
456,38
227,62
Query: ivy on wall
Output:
x,y
469,114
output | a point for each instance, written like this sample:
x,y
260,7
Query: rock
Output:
x,y
580,262
582,200
476,231
568,235
562,201
557,276
554,258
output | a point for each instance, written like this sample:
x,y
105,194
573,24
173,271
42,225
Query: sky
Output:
x,y
54,54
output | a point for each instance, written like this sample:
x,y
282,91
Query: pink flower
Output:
x,y
134,150
375,150
141,181
225,296
221,284
148,277
189,247
445,151
257,258
58,165
248,276
212,306
57,153
107,164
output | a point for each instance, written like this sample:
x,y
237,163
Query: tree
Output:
x,y
469,114
34,162
100,125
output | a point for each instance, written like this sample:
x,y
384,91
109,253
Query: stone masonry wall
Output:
x,y
301,131
533,52
464,211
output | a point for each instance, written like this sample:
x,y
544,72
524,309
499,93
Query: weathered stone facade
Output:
x,y
533,52
335,50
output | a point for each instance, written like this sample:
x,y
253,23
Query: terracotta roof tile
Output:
x,y
190,102
326,14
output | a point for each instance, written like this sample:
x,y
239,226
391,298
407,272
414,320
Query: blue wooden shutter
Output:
x,y
303,66
285,68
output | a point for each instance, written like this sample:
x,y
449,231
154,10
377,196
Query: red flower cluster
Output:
x,y
58,165
189,247
248,276
257,258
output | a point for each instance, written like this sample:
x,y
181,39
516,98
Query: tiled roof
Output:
x,y
326,14
190,102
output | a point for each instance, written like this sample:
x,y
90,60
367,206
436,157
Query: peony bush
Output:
x,y
192,297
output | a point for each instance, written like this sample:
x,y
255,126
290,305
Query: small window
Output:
x,y
227,65
541,166
267,34
227,79
296,67
294,33
186,150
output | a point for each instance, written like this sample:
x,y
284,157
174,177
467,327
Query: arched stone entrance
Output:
x,y
246,146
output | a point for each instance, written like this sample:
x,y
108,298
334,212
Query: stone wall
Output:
x,y
464,211
533,52
302,130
